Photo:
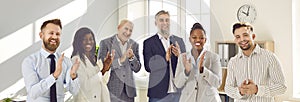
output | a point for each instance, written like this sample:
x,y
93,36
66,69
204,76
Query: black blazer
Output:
x,y
155,63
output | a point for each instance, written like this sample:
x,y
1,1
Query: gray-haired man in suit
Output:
x,y
121,83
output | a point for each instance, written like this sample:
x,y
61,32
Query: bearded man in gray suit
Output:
x,y
121,83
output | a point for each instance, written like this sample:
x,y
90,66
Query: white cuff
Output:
x,y
119,62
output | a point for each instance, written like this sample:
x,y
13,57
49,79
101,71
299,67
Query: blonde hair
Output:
x,y
124,21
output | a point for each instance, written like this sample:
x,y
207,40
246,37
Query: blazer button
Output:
x,y
196,88
94,96
123,75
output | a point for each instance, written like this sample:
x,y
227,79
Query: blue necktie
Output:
x,y
53,87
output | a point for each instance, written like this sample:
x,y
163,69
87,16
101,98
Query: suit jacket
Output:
x,y
155,63
92,88
120,74
199,87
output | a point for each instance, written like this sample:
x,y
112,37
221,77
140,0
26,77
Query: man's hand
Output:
x,y
58,68
108,61
173,49
168,53
74,69
187,63
252,88
248,87
176,49
128,54
242,87
201,62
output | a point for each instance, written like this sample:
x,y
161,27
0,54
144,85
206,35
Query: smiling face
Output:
x,y
162,23
51,37
244,38
88,43
197,39
125,31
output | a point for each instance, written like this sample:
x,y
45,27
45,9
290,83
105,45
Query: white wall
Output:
x,y
296,47
274,22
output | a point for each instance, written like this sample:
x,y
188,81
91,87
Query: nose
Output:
x,y
89,41
55,36
165,22
128,33
242,38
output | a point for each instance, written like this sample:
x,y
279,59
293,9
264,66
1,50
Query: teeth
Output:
x,y
197,44
88,46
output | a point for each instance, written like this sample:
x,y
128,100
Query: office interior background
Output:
x,y
276,20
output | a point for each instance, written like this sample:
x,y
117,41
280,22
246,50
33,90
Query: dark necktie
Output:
x,y
53,87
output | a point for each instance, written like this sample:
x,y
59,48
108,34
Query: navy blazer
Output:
x,y
155,63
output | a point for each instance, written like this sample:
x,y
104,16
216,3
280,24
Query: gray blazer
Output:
x,y
120,75
199,87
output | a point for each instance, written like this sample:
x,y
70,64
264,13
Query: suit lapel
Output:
x,y
115,45
129,44
159,44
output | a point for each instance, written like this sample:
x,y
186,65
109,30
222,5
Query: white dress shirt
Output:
x,y
38,80
166,44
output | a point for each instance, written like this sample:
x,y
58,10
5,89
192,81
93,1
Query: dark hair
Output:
x,y
77,45
161,12
242,24
197,26
54,21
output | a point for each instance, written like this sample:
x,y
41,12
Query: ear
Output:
x,y
253,36
41,35
155,23
119,27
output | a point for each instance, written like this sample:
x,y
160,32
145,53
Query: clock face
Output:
x,y
246,13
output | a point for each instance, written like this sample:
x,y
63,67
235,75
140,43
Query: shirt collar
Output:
x,y
161,37
46,54
255,51
189,55
120,40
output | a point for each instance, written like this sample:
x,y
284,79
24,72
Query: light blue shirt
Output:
x,y
38,80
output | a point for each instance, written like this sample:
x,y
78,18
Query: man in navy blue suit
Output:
x,y
161,87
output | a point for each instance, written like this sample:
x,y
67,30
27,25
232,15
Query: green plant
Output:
x,y
97,47
7,100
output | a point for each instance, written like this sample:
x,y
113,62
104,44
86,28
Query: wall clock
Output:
x,y
247,13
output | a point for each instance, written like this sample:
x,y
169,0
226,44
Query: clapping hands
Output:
x,y
248,87
173,49
108,61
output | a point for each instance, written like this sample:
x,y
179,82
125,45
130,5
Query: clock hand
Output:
x,y
245,13
248,11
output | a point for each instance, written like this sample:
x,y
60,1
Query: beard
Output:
x,y
51,47
246,48
165,32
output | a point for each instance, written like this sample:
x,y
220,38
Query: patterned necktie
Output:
x,y
53,87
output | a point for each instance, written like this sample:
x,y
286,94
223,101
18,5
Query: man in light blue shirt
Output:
x,y
36,68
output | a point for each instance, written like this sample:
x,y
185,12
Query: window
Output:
x,y
169,5
197,11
